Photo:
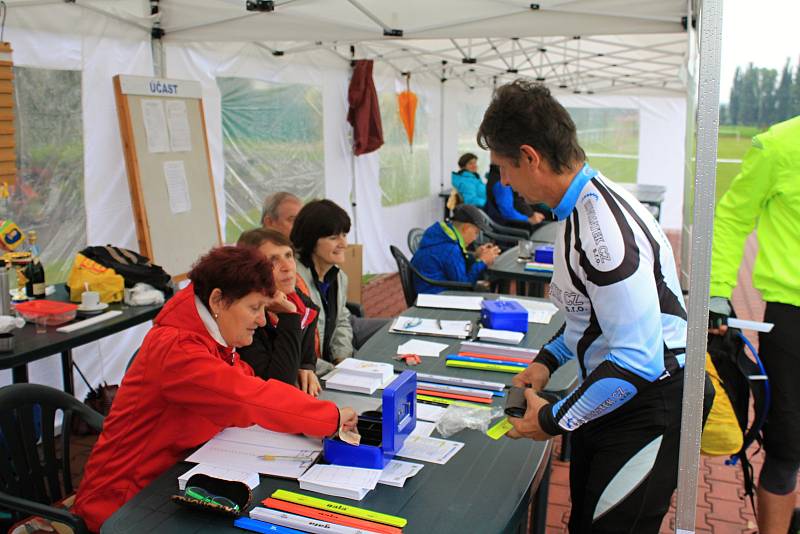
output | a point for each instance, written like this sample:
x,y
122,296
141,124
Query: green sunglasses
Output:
x,y
199,494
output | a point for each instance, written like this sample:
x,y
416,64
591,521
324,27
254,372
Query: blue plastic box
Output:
x,y
504,315
543,254
382,433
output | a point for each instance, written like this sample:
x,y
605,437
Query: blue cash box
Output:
x,y
504,315
382,433
543,254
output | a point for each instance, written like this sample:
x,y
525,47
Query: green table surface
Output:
x,y
484,488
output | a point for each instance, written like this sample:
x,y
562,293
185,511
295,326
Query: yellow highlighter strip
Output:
x,y
339,508
442,400
499,430
485,366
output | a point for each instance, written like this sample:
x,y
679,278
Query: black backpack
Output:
x,y
133,267
742,378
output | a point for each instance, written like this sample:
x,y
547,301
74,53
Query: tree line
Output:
x,y
759,97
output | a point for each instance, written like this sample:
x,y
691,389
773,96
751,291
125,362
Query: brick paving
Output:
x,y
720,508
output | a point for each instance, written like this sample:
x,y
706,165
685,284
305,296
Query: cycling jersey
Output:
x,y
614,278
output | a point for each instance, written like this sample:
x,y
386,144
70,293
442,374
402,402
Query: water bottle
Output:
x,y
5,297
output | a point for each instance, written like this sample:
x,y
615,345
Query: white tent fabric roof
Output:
x,y
575,46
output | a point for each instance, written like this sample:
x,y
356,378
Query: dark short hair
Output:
x,y
235,271
318,218
525,113
258,236
465,159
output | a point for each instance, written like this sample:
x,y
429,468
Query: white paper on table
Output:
x,y
180,136
538,311
428,412
155,125
251,479
422,348
501,336
451,302
423,428
341,476
397,472
256,435
177,187
427,449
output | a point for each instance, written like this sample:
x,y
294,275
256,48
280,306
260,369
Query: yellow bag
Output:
x,y
721,435
102,279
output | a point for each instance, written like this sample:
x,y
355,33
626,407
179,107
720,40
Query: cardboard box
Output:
x,y
354,268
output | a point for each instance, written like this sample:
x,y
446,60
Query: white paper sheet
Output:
x,y
177,187
251,479
451,302
423,428
422,348
538,311
342,476
180,136
427,449
155,126
500,336
428,412
397,472
434,327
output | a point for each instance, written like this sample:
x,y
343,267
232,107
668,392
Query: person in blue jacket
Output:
x,y
468,182
442,253
506,207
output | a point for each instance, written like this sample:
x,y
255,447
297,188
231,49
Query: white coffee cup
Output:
x,y
90,299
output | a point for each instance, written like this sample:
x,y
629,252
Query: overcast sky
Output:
x,y
764,32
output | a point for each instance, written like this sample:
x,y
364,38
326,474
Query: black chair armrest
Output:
x,y
355,309
510,231
43,510
466,286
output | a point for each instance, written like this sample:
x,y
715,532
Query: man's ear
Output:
x,y
529,156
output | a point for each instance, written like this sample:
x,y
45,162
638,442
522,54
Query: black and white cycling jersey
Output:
x,y
614,278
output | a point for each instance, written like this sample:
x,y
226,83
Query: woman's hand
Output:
x,y
281,304
309,383
536,218
348,419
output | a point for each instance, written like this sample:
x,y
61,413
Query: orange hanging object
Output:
x,y
407,107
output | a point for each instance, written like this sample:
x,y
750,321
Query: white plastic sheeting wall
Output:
x,y
108,211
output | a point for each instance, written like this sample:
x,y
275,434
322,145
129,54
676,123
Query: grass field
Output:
x,y
734,141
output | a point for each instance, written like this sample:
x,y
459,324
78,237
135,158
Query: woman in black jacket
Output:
x,y
285,348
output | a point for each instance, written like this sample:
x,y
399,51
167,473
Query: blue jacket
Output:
x,y
440,256
504,200
471,187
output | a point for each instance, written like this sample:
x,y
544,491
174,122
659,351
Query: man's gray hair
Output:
x,y
274,201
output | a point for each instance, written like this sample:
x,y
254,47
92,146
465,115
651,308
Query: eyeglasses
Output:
x,y
199,494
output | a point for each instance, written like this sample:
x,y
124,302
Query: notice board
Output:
x,y
169,169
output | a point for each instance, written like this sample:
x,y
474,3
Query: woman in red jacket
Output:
x,y
187,383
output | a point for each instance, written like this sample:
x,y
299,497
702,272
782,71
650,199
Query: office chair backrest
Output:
x,y
38,472
406,275
414,237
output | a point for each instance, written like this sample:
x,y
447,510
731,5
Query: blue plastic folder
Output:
x,y
254,525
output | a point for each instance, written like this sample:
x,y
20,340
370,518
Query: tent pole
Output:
x,y
441,131
710,27
157,52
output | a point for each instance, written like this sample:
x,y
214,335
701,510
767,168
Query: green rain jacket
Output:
x,y
766,195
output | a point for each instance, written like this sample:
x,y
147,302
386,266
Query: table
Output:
x,y
478,491
506,267
30,346
383,346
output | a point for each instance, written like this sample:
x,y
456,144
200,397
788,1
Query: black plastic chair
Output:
x,y
408,272
33,477
414,237
509,231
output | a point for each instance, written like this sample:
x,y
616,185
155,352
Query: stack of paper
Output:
x,y
422,348
434,450
423,428
340,481
500,336
257,450
449,302
431,327
251,479
359,376
397,472
429,412
538,311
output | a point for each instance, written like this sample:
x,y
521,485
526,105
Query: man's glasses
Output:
x,y
199,494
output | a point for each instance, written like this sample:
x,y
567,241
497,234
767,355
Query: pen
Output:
x,y
275,457
438,324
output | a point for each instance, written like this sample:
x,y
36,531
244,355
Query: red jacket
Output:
x,y
183,388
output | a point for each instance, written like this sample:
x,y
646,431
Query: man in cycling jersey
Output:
x,y
615,281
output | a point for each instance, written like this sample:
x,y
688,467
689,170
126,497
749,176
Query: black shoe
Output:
x,y
794,526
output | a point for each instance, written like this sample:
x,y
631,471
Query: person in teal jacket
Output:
x,y
468,182
765,195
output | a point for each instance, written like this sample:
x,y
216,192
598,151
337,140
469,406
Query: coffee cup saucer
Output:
x,y
96,308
